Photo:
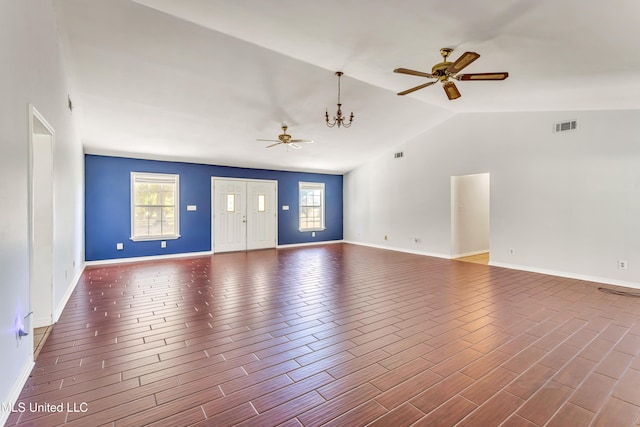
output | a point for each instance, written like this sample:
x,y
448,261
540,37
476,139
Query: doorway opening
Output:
x,y
470,209
41,219
244,214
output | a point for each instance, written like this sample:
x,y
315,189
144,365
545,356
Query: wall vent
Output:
x,y
398,155
565,126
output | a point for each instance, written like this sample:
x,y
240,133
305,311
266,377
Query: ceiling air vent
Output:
x,y
398,155
565,126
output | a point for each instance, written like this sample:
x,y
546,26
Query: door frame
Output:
x,y
38,125
461,204
213,205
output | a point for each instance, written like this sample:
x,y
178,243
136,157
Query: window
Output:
x,y
311,206
155,206
231,202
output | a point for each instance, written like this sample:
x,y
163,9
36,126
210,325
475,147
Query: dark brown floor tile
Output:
x,y
448,414
593,391
525,385
286,411
283,394
338,406
487,386
571,415
360,416
339,334
516,420
393,378
404,415
574,372
616,412
545,402
628,388
351,381
395,396
436,395
614,364
493,411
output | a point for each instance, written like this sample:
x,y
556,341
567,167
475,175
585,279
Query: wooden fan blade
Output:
x,y
483,76
307,141
413,89
272,145
451,90
464,60
292,145
414,73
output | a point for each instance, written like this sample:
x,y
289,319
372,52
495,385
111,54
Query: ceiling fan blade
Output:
x,y
268,140
483,76
293,145
451,90
413,89
414,73
464,60
272,145
307,141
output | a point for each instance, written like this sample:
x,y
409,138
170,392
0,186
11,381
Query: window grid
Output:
x,y
311,206
155,207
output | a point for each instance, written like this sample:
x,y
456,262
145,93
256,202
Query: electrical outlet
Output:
x,y
512,251
163,244
313,234
119,246
622,264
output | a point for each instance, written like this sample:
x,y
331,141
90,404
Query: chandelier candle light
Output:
x,y
338,119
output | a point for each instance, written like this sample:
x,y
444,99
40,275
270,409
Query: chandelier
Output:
x,y
338,119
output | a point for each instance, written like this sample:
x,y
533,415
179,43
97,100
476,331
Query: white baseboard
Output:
x,y
67,294
11,399
568,275
393,248
295,245
148,258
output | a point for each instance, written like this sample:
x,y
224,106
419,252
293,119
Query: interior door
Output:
x,y
244,214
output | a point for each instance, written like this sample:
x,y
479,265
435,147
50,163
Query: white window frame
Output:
x,y
311,186
159,178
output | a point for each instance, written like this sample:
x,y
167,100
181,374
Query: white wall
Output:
x,y
470,198
567,203
32,73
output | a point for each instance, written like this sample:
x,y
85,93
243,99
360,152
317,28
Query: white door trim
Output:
x,y
38,125
213,205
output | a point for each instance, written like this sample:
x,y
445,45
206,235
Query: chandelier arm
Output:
x,y
338,119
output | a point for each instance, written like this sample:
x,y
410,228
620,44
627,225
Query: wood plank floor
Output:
x,y
482,258
336,335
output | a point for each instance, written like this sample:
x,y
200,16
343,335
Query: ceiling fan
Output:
x,y
444,70
285,138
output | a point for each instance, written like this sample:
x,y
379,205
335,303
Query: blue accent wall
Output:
x,y
108,206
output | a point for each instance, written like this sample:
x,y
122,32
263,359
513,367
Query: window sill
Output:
x,y
153,238
309,230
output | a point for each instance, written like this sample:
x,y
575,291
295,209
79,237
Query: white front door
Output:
x,y
261,214
244,214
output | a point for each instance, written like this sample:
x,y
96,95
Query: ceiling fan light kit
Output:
x,y
338,119
445,70
285,138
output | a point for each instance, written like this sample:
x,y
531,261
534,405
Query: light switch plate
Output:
x,y
192,207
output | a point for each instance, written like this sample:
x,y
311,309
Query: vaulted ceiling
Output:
x,y
201,80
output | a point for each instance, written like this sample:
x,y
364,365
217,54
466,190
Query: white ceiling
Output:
x,y
201,80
